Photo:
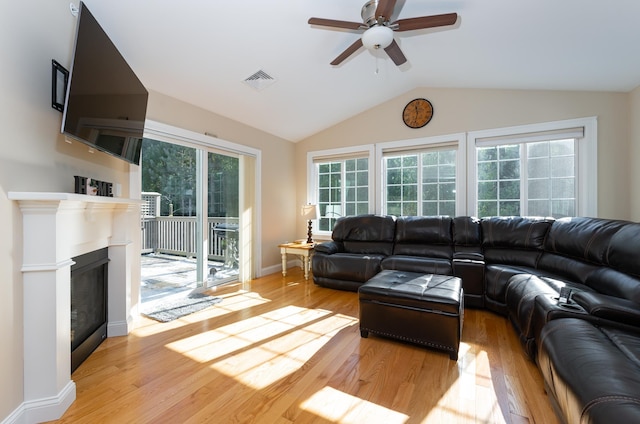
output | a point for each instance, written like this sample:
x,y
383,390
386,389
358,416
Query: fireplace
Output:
x,y
89,276
58,229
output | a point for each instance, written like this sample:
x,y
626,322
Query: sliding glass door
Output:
x,y
190,217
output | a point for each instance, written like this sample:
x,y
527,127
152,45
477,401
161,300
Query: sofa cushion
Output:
x,y
515,232
624,248
365,234
417,264
496,279
467,233
427,236
514,240
593,373
609,307
583,238
347,266
615,283
566,267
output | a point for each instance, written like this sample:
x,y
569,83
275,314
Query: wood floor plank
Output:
x,y
286,351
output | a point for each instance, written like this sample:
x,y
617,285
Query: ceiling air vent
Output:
x,y
260,80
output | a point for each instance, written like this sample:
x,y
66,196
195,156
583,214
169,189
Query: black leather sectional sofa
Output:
x,y
587,348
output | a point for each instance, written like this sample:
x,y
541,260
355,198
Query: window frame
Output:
x,y
586,156
421,145
339,154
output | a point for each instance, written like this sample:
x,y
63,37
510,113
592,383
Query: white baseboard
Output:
x,y
119,328
278,268
46,409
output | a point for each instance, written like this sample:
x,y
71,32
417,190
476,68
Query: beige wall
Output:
x,y
634,153
463,110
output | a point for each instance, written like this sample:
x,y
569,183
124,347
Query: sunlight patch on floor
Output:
x,y
230,303
473,386
340,407
261,350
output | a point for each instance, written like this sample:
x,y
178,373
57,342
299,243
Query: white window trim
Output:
x,y
339,154
587,153
426,142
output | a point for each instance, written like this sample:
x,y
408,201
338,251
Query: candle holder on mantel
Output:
x,y
309,212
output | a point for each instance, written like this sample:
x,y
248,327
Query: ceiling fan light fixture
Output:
x,y
377,37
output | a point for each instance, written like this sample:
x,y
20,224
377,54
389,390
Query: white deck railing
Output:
x,y
176,235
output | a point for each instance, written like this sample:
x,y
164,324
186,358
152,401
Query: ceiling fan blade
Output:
x,y
335,24
385,9
426,22
348,52
394,52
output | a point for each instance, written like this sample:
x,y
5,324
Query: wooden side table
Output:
x,y
304,250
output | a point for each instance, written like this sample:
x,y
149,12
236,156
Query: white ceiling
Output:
x,y
201,51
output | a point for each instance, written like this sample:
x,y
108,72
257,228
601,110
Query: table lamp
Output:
x,y
309,213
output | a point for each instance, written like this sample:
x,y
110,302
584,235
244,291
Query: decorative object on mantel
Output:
x,y
92,187
170,310
309,213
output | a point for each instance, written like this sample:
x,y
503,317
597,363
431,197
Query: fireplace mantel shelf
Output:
x,y
73,197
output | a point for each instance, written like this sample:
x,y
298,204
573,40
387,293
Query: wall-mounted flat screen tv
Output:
x,y
106,103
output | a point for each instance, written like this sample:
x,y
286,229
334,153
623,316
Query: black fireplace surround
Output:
x,y
586,346
89,276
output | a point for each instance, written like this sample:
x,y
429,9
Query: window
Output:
x,y
420,183
535,178
340,184
423,176
343,190
535,170
546,169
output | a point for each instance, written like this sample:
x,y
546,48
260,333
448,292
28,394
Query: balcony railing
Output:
x,y
176,235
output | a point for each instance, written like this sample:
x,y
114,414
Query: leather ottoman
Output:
x,y
426,309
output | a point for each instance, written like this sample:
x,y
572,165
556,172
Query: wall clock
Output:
x,y
417,113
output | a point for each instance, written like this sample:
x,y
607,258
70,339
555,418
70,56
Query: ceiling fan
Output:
x,y
378,28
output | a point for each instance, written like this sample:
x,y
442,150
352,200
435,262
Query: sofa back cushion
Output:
x,y
568,268
582,238
624,249
424,236
467,234
365,234
615,283
514,240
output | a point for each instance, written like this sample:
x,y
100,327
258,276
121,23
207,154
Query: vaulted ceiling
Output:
x,y
202,51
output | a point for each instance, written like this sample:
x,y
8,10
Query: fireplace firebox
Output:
x,y
89,276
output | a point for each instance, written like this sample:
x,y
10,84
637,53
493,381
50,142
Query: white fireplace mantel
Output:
x,y
56,228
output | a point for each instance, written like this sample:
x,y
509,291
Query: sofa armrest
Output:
x,y
609,307
469,266
328,247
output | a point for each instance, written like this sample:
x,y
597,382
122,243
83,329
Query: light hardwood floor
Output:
x,y
287,351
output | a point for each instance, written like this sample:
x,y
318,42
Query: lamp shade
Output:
x,y
377,37
309,212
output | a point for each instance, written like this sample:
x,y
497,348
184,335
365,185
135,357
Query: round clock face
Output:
x,y
417,113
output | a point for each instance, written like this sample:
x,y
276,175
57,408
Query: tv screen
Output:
x,y
106,103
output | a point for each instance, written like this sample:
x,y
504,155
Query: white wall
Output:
x,y
463,110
